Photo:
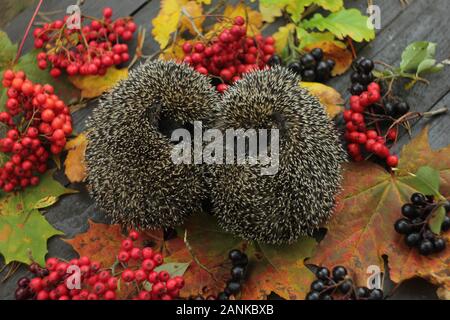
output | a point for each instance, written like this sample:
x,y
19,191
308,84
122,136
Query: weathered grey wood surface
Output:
x,y
420,20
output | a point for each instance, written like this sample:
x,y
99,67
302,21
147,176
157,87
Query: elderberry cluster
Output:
x,y
338,285
415,224
90,50
230,54
97,283
38,123
311,66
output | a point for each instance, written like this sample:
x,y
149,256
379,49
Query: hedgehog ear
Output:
x,y
277,206
131,174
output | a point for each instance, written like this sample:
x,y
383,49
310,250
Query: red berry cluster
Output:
x,y
359,137
54,281
230,54
89,51
38,123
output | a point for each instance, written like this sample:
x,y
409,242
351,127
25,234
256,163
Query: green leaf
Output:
x,y
7,51
307,38
173,268
426,180
25,235
436,220
343,23
22,228
415,53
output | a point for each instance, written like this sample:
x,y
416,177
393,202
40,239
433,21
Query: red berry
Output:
x,y
371,134
239,21
147,253
127,275
140,275
127,244
107,12
123,256
392,161
163,276
133,235
148,265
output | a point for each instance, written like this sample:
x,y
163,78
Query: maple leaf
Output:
x,y
278,269
75,167
94,85
361,230
328,96
341,55
23,230
102,242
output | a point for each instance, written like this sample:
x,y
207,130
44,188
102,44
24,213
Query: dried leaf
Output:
x,y
361,230
94,86
194,11
75,167
328,96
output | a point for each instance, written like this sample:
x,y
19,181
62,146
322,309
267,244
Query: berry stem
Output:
x,y
27,31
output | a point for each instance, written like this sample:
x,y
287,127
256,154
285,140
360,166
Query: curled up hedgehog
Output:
x,y
295,201
131,175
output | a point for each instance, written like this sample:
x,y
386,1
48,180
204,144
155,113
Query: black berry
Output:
x,y
410,211
295,67
439,244
339,273
233,287
308,75
317,53
346,286
235,255
445,224
317,285
357,89
402,226
412,239
323,273
238,273
418,199
313,296
401,108
426,247
275,60
308,61
376,294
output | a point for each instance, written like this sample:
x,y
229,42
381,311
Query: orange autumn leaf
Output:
x,y
75,167
362,231
342,56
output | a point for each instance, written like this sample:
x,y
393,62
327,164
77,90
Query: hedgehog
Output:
x,y
278,208
130,172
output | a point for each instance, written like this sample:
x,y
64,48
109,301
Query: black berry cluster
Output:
x,y
362,75
338,285
311,66
415,225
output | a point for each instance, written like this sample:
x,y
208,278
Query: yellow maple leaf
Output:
x,y
253,18
328,96
75,167
282,36
192,14
174,15
167,21
94,86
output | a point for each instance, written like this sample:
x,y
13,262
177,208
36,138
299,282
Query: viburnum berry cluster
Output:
x,y
230,54
54,281
38,124
339,285
415,224
90,50
359,137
